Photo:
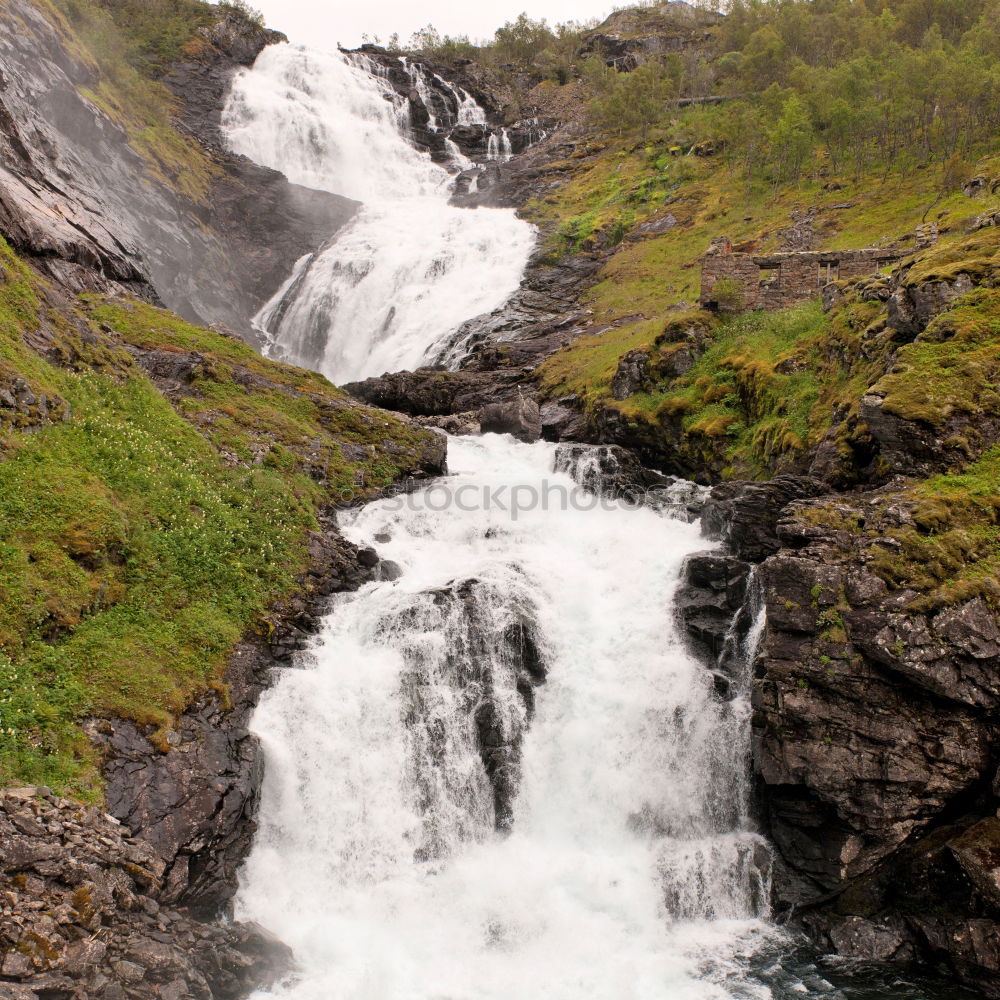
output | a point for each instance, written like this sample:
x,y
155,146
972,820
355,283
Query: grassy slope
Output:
x,y
139,541
768,387
621,184
648,287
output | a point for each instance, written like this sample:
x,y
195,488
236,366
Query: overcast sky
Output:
x,y
326,22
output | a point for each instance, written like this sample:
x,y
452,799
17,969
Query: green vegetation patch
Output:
x,y
754,393
139,540
952,552
953,368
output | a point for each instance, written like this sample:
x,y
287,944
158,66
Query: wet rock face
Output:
x,y
745,515
519,417
84,915
875,726
713,591
617,473
89,210
492,664
202,80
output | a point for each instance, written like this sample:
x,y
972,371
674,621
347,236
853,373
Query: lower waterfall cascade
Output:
x,y
626,868
387,292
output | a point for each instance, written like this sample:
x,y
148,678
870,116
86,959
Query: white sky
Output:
x,y
324,23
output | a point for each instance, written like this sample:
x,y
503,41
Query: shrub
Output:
x,y
728,295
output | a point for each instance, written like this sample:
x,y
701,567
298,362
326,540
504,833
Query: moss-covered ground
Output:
x,y
140,539
764,388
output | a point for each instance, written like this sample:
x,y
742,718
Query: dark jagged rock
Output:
x,y
875,726
746,515
632,375
539,318
977,850
713,589
85,913
492,638
519,416
429,392
608,470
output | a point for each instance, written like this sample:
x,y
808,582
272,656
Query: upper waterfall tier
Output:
x,y
388,291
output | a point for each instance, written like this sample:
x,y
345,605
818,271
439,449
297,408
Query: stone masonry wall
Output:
x,y
779,280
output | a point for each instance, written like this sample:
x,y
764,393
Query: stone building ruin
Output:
x,y
779,280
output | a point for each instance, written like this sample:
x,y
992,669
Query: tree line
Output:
x,y
888,84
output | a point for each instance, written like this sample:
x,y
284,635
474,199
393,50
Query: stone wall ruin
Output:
x,y
779,280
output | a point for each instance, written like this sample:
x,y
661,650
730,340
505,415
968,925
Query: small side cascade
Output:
x,y
712,862
430,100
469,111
499,148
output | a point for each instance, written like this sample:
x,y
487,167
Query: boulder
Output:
x,y
520,417
712,592
912,446
632,375
562,420
913,306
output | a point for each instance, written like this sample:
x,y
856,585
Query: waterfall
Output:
x,y
502,774
499,146
387,291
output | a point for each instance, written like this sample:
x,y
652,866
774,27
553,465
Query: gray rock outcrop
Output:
x,y
96,214
84,913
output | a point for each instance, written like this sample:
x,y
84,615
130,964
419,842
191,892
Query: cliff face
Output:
x,y
103,200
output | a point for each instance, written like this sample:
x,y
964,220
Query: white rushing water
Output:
x,y
624,869
409,269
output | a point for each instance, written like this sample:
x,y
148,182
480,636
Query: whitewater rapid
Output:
x,y
387,292
628,870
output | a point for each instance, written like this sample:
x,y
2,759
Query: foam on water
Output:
x,y
628,872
